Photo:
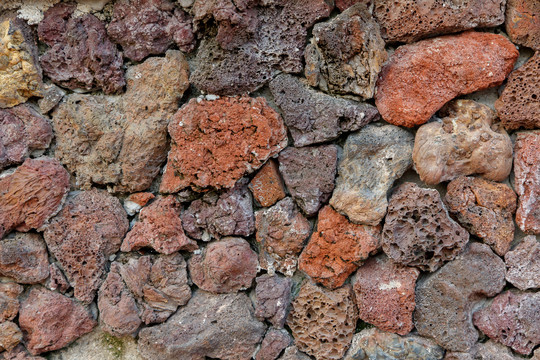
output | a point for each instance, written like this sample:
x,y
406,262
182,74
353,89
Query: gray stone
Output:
x,y
523,264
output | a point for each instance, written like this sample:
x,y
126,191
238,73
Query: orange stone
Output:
x,y
523,22
267,186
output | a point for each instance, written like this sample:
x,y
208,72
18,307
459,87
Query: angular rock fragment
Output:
x,y
24,258
421,77
523,23
10,335
135,202
314,117
267,186
489,350
19,353
527,181
273,344
523,264
272,298
9,303
292,353
52,95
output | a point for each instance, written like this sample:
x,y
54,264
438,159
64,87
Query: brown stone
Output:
x,y
343,5
292,353
24,258
274,342
135,202
10,335
527,181
267,186
420,78
523,23
52,95
337,248
57,280
9,303
523,264
272,299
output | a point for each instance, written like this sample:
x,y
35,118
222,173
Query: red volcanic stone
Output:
x,y
32,194
337,248
267,186
527,180
273,344
343,5
420,78
51,320
24,258
272,299
384,293
57,280
160,228
216,142
9,303
523,22
134,202
523,264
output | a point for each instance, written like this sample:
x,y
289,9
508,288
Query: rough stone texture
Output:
x,y
421,77
489,350
52,95
381,153
445,299
216,142
523,264
51,320
88,230
343,5
221,214
292,353
57,280
346,53
10,335
24,258
267,186
384,293
272,299
527,181
31,195
314,117
519,104
19,353
376,344
145,27
217,326
121,140
309,174
160,228
418,230
281,233
9,304
273,344
225,266
135,202
323,321
337,248
22,131
523,22
409,20
485,209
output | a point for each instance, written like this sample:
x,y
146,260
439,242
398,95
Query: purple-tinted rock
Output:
x,y
9,303
19,353
489,350
273,344
523,264
24,258
272,299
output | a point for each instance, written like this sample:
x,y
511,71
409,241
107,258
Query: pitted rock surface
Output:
x,y
24,258
523,23
57,280
343,5
523,264
489,350
527,181
9,303
272,299
10,335
274,342
267,185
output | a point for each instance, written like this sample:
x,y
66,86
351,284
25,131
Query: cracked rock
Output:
x,y
522,24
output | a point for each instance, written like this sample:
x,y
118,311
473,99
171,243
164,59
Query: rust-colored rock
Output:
x,y
273,343
9,303
523,22
267,186
57,280
24,258
523,264
272,299
337,248
421,77
527,181
10,336
216,142
135,202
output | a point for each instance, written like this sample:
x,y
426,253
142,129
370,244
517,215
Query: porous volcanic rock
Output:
x,y
135,202
527,181
523,23
267,185
88,230
281,233
337,248
314,117
323,321
272,299
273,344
485,209
24,258
10,335
490,350
57,280
445,299
32,194
217,326
9,303
420,78
418,230
216,142
381,153
309,174
523,264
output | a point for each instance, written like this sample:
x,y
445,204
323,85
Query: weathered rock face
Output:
x,y
343,5
523,264
267,186
489,350
292,353
217,326
445,300
24,258
216,142
281,233
522,22
272,298
381,153
19,353
527,180
120,140
273,343
314,117
421,77
337,248
57,280
83,235
51,320
146,27
52,95
10,335
309,174
80,56
32,194
135,202
9,304
346,53
418,230
485,209
512,319
323,321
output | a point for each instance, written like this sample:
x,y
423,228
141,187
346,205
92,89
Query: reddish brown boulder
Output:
x,y
523,23
527,180
10,335
337,248
216,142
134,202
272,299
273,344
9,303
421,77
24,258
523,264
267,186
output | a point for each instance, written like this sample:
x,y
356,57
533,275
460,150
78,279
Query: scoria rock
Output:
x,y
88,230
32,194
346,53
323,321
274,342
272,299
135,202
10,335
527,181
343,5
121,141
51,321
420,78
216,142
314,117
523,264
217,326
267,185
57,280
418,230
445,299
24,258
281,233
523,23
381,153
9,303
309,174
337,248
513,319
485,209
490,350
